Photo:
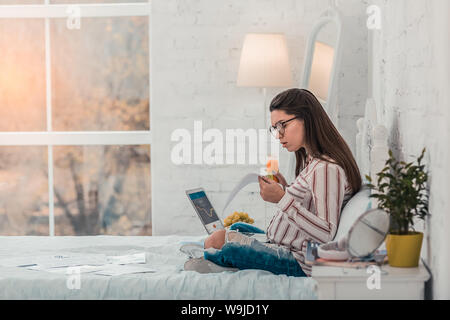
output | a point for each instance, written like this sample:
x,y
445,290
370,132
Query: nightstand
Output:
x,y
335,283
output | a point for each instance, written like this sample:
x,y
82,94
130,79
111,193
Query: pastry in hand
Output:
x,y
272,169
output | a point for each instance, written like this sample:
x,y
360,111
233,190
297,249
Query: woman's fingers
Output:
x,y
281,178
270,191
263,181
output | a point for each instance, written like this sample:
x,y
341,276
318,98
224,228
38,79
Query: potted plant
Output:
x,y
402,192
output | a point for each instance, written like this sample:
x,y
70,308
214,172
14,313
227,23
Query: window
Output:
x,y
74,117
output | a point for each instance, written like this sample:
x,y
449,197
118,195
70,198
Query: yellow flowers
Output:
x,y
236,217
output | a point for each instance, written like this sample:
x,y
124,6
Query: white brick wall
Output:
x,y
195,51
411,84
194,60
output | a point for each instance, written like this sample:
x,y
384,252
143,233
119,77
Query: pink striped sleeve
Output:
x,y
327,188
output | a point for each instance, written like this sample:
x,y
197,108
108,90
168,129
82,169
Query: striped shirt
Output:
x,y
310,208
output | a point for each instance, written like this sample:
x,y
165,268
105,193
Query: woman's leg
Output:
x,y
256,255
217,239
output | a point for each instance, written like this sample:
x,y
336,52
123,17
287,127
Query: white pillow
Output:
x,y
354,208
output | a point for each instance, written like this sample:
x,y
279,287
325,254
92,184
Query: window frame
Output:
x,y
50,138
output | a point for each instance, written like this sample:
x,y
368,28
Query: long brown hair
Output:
x,y
321,136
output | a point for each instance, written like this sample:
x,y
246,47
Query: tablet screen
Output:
x,y
203,207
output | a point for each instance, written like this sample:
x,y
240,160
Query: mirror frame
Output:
x,y
331,15
349,234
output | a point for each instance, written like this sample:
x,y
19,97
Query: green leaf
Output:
x,y
402,191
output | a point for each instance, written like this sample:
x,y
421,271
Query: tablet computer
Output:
x,y
204,209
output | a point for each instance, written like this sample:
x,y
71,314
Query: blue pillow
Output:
x,y
245,227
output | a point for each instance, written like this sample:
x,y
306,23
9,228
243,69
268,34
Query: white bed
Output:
x,y
170,281
162,253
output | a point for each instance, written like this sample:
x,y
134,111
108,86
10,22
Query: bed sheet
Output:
x,y
170,281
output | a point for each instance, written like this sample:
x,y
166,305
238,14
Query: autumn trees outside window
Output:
x,y
75,119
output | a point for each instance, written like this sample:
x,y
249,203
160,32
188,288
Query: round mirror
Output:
x,y
367,233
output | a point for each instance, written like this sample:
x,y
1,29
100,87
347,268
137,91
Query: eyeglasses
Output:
x,y
279,128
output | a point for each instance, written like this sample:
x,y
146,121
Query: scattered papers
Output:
x,y
118,270
127,259
67,270
70,260
17,262
105,270
55,261
82,263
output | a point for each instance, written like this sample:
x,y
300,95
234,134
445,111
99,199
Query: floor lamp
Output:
x,y
264,64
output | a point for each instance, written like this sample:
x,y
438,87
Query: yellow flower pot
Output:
x,y
404,250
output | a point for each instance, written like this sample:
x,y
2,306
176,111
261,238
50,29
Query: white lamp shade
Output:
x,y
322,64
264,61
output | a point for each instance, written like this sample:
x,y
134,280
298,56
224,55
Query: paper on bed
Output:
x,y
55,260
71,259
67,270
118,270
17,262
106,270
127,259
102,264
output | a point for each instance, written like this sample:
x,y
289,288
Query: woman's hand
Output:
x,y
270,191
281,179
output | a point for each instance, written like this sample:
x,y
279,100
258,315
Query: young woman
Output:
x,y
327,176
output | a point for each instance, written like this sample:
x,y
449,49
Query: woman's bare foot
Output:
x,y
215,240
